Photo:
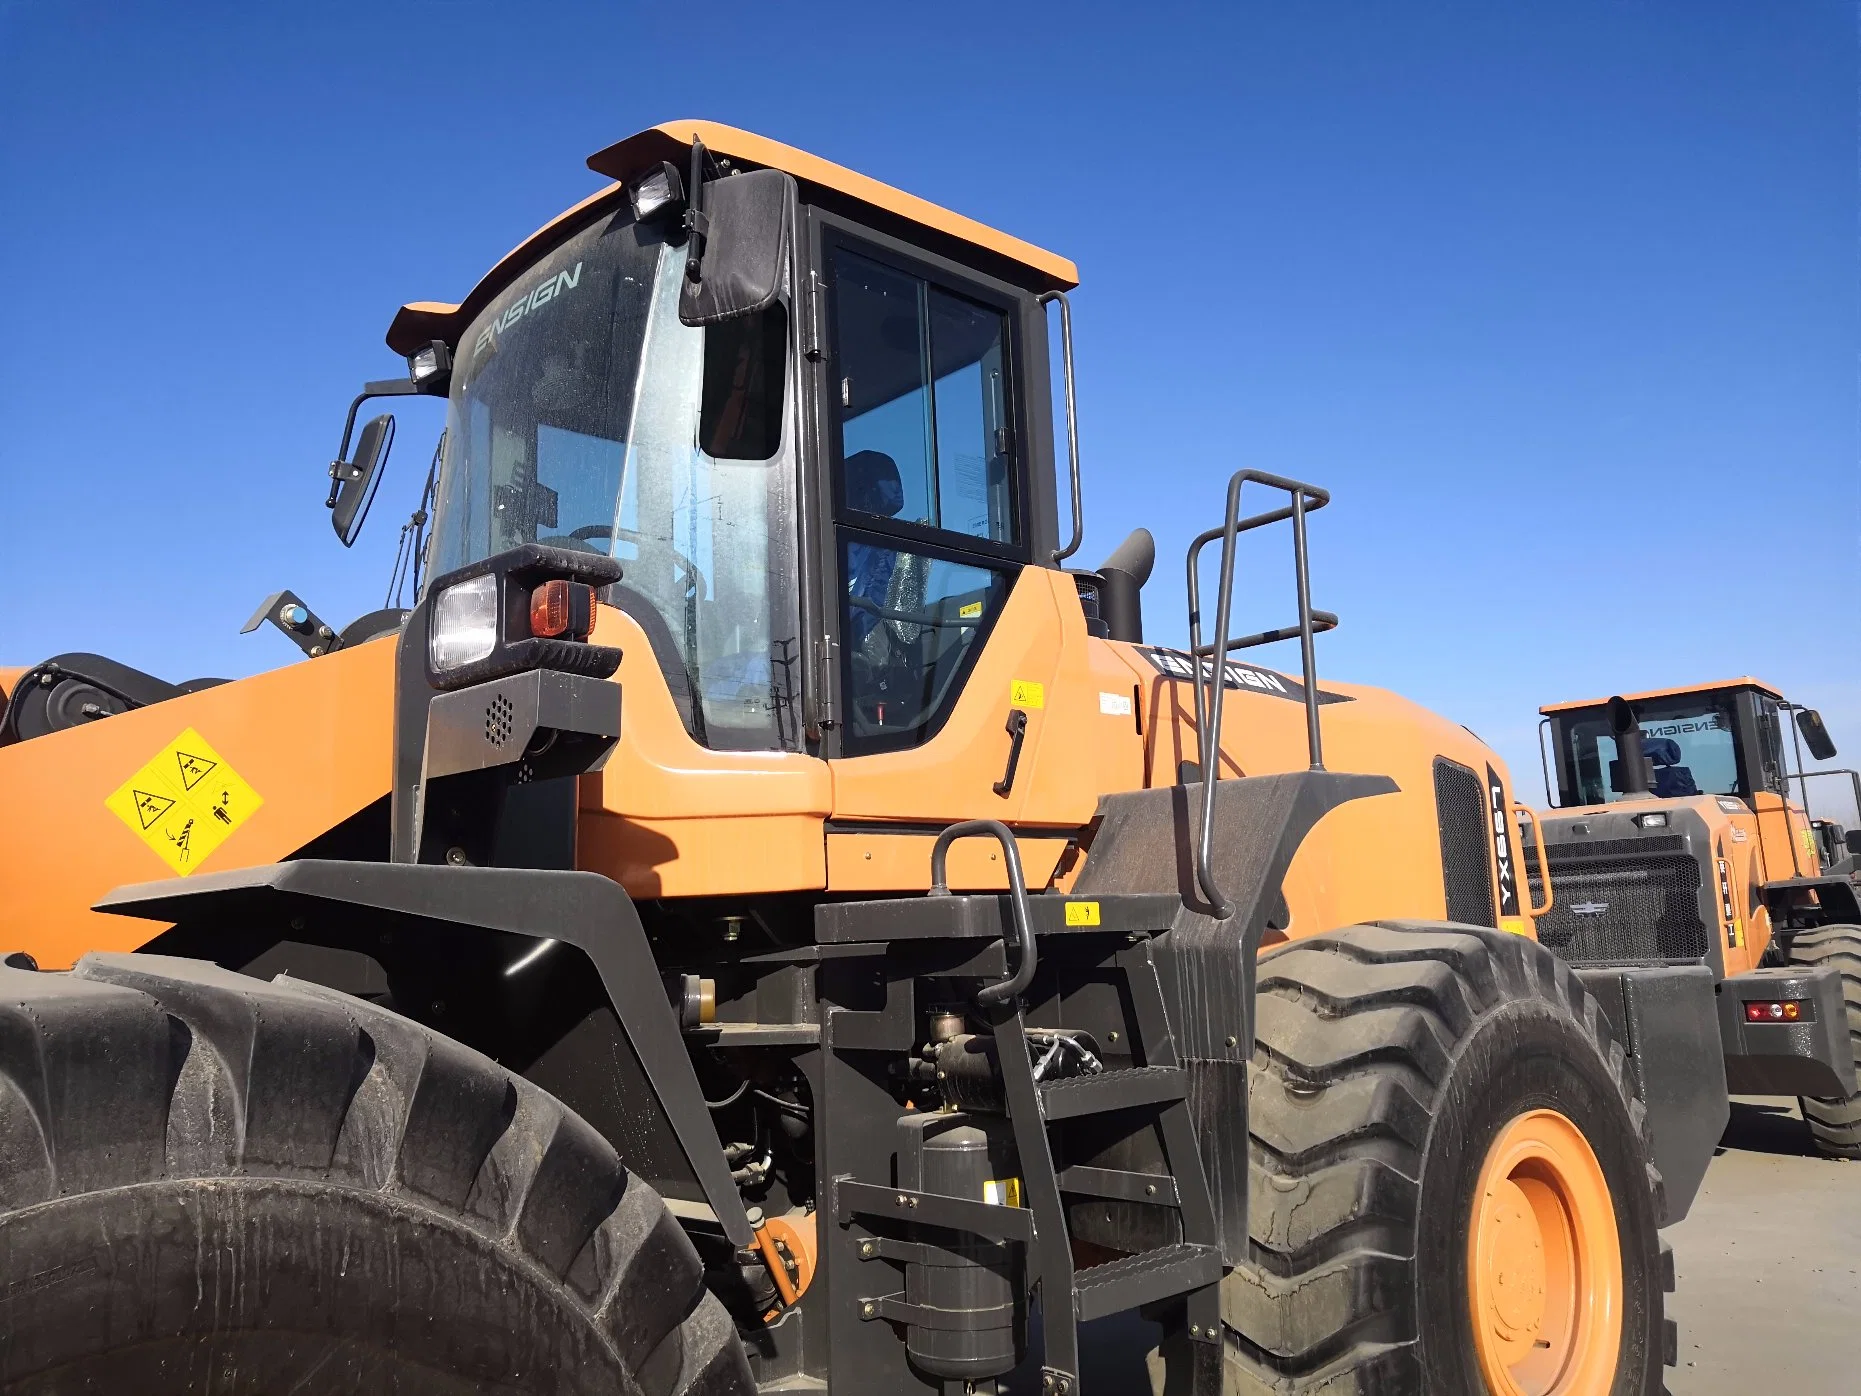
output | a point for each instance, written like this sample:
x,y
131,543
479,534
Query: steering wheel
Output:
x,y
695,580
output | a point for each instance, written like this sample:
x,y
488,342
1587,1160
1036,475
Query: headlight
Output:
x,y
465,623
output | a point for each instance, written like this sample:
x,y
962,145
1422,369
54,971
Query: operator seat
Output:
x,y
1671,779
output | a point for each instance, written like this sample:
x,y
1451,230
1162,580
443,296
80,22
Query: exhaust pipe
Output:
x,y
1631,773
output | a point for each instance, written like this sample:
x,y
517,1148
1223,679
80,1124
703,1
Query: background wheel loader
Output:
x,y
762,922
1676,840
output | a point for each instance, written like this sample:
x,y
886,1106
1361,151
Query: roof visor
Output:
x,y
419,322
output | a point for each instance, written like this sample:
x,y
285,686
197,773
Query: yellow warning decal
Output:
x,y
1514,924
969,612
1002,1192
185,802
1082,913
1025,693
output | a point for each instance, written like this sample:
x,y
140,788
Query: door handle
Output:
x,y
1017,733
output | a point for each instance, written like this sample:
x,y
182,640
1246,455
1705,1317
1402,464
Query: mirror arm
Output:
x,y
697,226
386,387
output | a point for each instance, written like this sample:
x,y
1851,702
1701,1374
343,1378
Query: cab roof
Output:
x,y
1746,682
419,322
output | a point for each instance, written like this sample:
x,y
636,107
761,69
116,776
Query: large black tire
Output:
x,y
1835,1124
1387,1060
209,1183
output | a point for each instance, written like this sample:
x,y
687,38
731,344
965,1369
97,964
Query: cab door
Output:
x,y
937,626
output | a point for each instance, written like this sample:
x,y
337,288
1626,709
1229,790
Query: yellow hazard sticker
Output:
x,y
1082,913
969,612
1025,693
185,802
1002,1192
1514,924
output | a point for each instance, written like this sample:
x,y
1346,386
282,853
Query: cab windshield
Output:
x,y
1690,742
584,415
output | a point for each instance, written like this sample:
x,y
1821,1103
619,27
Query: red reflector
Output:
x,y
549,609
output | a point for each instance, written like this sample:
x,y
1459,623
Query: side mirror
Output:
x,y
358,477
1852,841
1815,735
737,262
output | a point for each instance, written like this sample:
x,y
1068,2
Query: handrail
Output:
x,y
1544,860
1304,498
1853,775
1072,423
1003,989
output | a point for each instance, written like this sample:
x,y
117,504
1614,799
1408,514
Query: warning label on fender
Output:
x,y
184,802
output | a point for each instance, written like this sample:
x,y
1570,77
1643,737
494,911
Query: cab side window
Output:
x,y
927,492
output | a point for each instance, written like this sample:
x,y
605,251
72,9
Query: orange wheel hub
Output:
x,y
1544,1263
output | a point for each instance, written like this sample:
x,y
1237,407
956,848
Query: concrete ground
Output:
x,y
1768,1265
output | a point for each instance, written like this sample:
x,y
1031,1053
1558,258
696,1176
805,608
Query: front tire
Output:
x,y
1835,1125
209,1183
1405,1076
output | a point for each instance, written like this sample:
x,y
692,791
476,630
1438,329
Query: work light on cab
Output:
x,y
431,367
658,191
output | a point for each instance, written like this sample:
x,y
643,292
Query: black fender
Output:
x,y
1837,896
335,903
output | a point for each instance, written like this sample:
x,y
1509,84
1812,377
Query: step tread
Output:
x,y
1132,1280
1111,1090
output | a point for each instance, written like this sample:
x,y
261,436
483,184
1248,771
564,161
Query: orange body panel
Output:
x,y
314,739
1785,838
880,862
1376,858
1370,859
667,817
9,677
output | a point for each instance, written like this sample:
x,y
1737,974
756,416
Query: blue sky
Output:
x,y
1559,300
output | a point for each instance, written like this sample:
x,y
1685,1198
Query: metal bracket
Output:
x,y
302,626
933,1209
895,1309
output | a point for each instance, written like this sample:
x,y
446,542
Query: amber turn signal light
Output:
x,y
562,608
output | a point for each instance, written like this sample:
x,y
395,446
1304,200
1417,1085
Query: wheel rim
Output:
x,y
1544,1263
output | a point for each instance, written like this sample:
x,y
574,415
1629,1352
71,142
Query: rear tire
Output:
x,y
1388,1060
209,1183
1835,1124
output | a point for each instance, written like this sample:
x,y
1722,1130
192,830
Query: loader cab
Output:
x,y
820,488
1721,739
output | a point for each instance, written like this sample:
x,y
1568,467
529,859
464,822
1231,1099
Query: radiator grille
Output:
x,y
1622,901
1466,844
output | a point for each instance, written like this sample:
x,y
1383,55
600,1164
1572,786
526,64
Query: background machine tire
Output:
x,y
1835,1124
213,1183
1388,1060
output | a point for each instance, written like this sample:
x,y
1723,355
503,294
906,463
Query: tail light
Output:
x,y
1774,1011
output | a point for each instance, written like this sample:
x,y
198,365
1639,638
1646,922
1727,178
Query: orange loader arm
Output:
x,y
244,773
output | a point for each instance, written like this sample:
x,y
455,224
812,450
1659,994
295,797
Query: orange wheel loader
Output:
x,y
764,922
1677,839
